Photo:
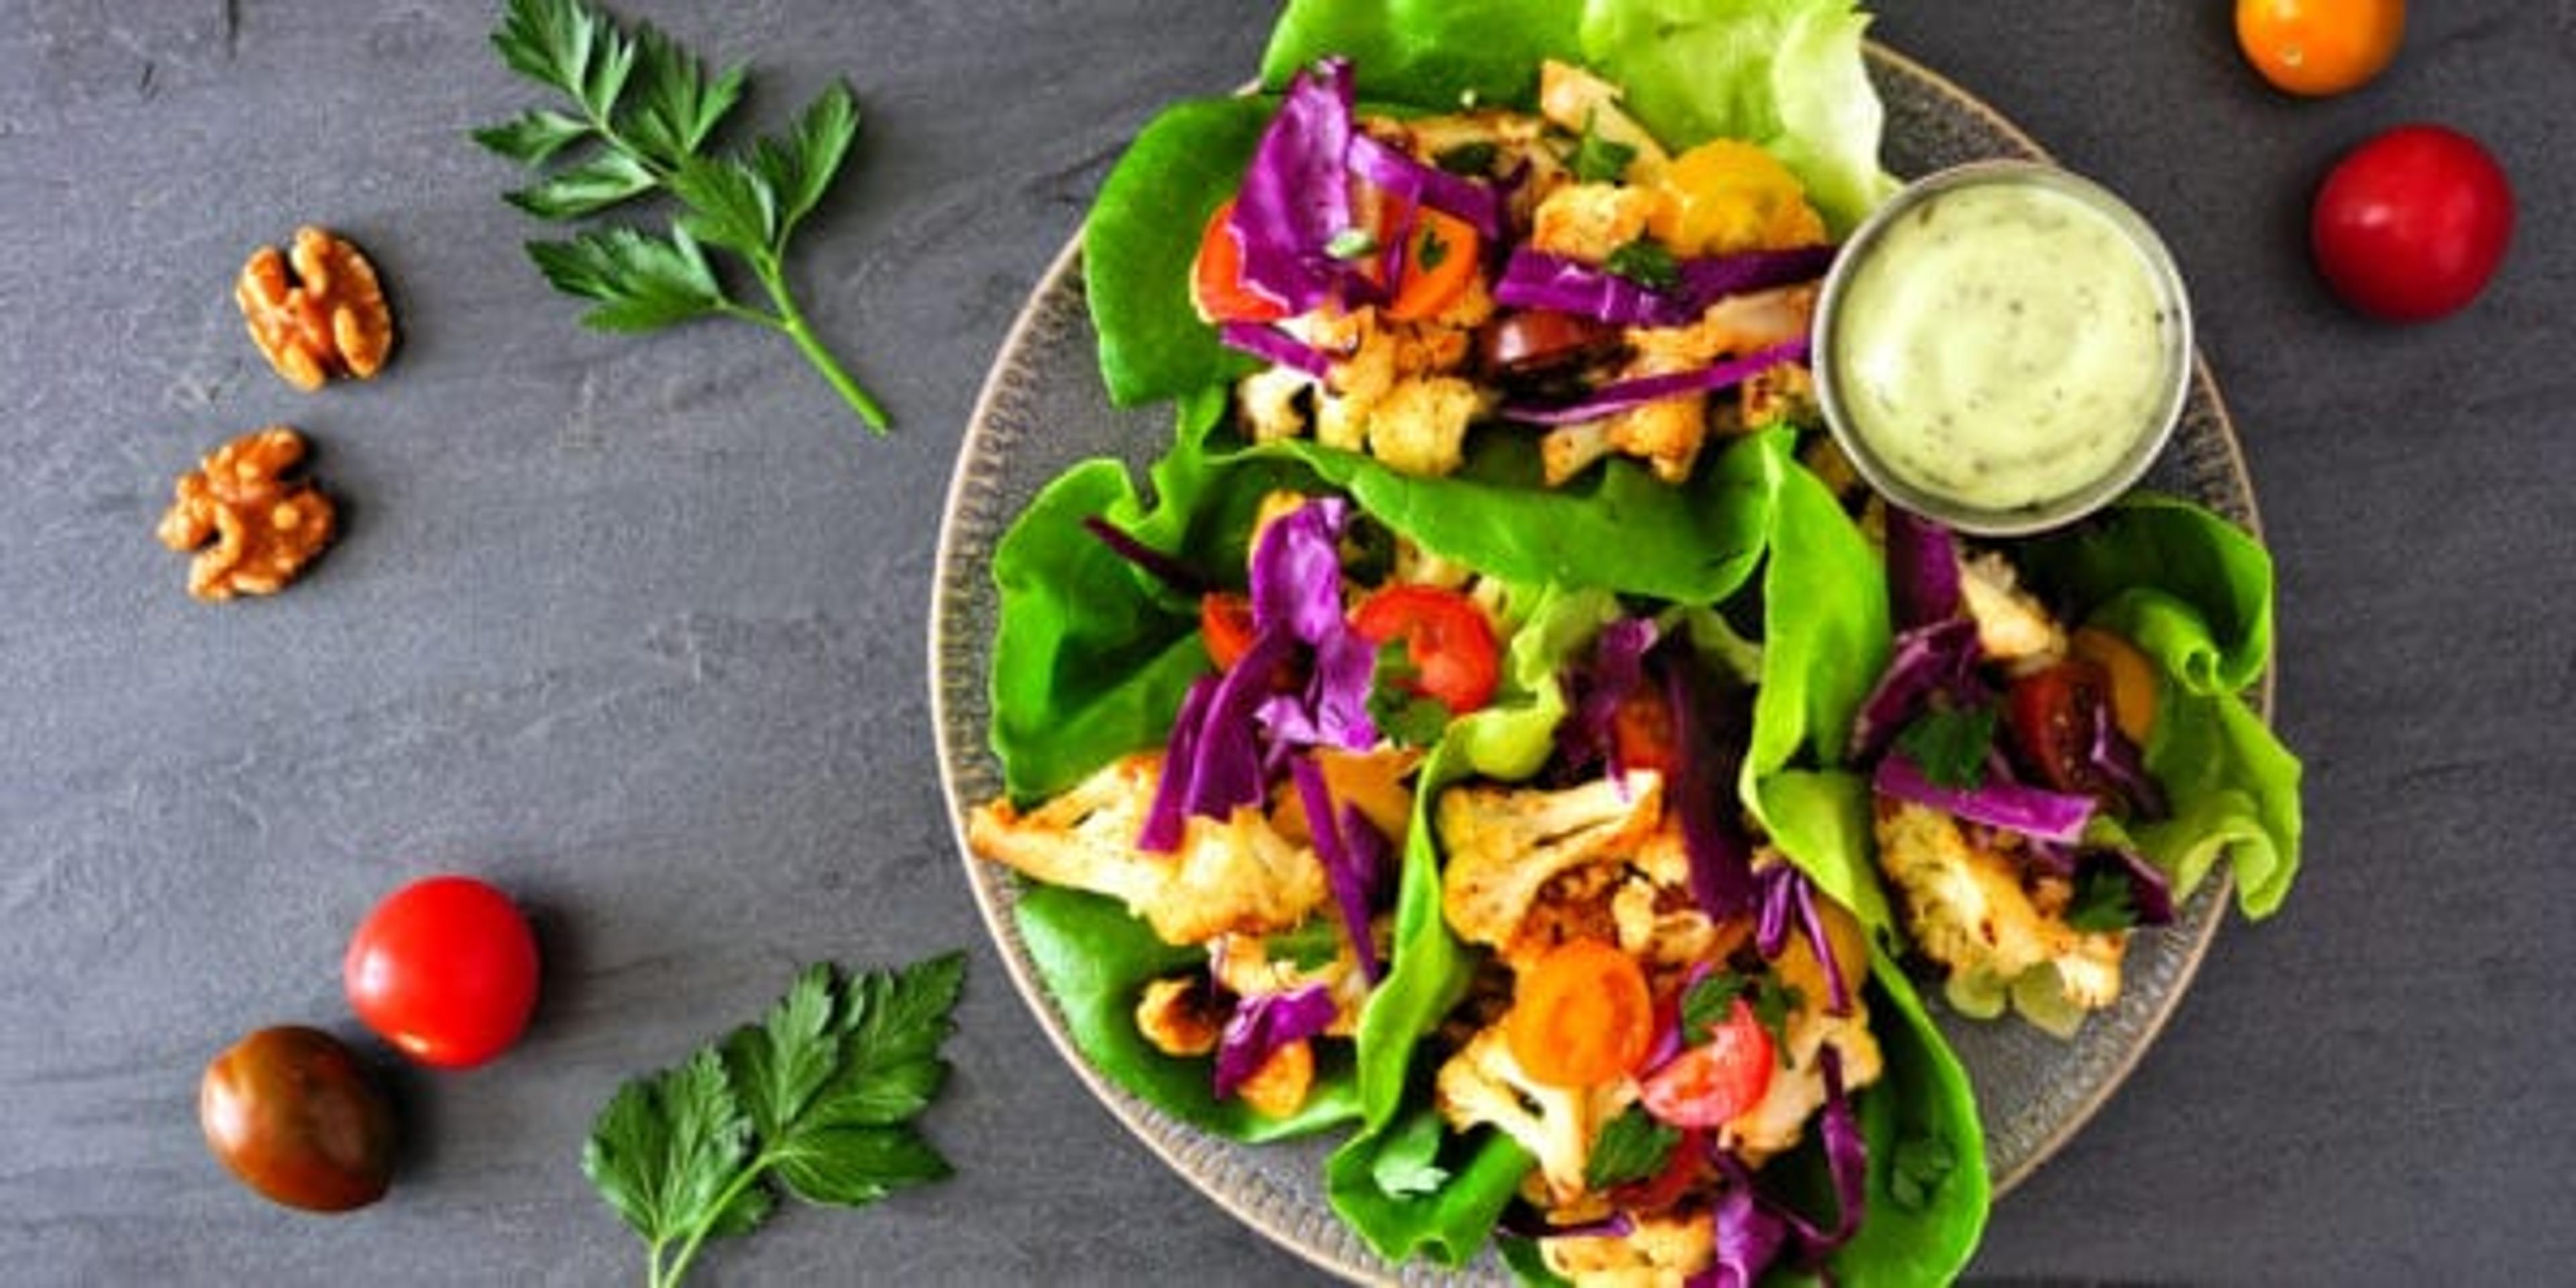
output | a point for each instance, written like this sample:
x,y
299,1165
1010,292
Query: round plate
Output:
x,y
1043,408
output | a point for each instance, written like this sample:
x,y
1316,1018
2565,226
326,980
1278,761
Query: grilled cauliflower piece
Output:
x,y
1242,965
1235,875
1577,100
1775,1122
1267,403
1280,1086
1967,909
1660,1252
1504,845
2012,627
1420,426
1587,221
1179,1016
1483,1084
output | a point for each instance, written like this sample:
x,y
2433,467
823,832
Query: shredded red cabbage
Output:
x,y
1296,193
1749,1237
1847,1156
1937,658
1401,176
2118,760
1353,855
1922,569
1789,902
1710,730
1263,1023
1277,347
1534,279
1181,577
1297,588
1626,394
1754,1230
2031,811
1212,763
1613,673
1167,819
2150,893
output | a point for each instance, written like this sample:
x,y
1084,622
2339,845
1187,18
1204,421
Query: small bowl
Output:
x,y
2004,347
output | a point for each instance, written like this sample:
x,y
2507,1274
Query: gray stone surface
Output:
x,y
635,626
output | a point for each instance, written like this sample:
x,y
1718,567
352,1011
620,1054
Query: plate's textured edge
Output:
x,y
2206,462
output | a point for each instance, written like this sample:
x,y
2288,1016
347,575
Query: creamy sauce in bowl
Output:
x,y
2003,347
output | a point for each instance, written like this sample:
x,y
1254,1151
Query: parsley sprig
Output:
x,y
647,108
818,1097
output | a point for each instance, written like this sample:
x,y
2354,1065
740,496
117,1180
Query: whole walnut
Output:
x,y
318,313
264,526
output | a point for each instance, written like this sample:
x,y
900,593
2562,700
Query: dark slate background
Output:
x,y
636,627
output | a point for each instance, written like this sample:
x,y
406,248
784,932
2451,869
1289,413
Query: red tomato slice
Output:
x,y
1713,1083
1446,637
1225,622
2047,712
1216,279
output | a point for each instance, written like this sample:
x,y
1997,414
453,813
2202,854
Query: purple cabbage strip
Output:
x,y
1215,756
1263,1023
1277,347
1789,901
1702,793
1296,193
1922,569
2119,761
1613,398
1615,670
1297,587
1938,658
1399,174
2031,811
1534,279
1351,872
1162,567
1749,1237
1167,819
1754,1229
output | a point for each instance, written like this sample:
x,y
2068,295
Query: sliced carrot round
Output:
x,y
1581,1016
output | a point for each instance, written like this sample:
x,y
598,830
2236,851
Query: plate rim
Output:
x,y
1157,1130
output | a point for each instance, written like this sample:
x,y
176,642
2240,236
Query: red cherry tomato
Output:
x,y
2052,715
1446,637
1713,1083
445,969
1216,279
2410,225
1225,623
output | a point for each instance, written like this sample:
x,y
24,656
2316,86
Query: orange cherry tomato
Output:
x,y
2131,676
1713,1083
2319,47
1446,637
1581,1016
1440,260
1217,287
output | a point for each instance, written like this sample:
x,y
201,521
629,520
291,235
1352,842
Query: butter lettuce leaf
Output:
x,y
1142,236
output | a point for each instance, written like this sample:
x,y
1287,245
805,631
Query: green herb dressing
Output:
x,y
2004,345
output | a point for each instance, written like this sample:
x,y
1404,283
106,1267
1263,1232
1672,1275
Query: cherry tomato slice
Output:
x,y
2051,716
445,969
1713,1083
2411,225
1216,278
1225,622
1446,637
1581,1015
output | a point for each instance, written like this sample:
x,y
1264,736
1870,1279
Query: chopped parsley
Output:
x,y
1631,1147
1599,160
1950,746
1402,714
1645,263
1352,243
2103,901
1469,159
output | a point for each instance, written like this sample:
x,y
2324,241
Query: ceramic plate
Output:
x,y
1043,408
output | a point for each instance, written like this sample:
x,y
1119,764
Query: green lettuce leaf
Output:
x,y
1825,632
1096,960
1141,238
2194,592
1785,74
1427,53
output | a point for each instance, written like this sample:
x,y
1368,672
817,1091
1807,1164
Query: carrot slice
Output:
x,y
1581,1016
1441,255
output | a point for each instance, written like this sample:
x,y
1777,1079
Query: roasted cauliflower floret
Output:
x,y
1774,1124
1589,221
1420,426
1660,1252
1280,1086
1236,875
1504,845
2012,626
1179,1016
1577,101
1244,966
1483,1084
1272,403
1967,908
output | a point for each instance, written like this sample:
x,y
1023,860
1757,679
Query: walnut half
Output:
x,y
265,527
317,314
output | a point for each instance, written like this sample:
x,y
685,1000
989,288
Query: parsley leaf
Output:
x,y
1402,715
1473,160
1407,1163
1432,251
1352,243
1950,746
1631,1147
1645,263
1710,1003
819,1096
643,112
2103,901
1599,160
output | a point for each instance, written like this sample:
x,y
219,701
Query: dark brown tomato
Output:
x,y
292,1113
2051,715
